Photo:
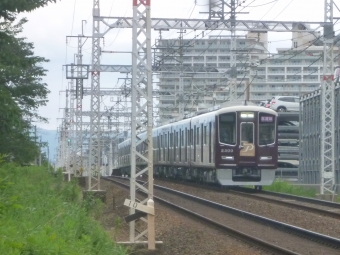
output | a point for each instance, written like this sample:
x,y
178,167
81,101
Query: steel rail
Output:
x,y
289,204
317,237
245,237
294,197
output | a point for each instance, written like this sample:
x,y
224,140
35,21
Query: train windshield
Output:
x,y
266,129
227,128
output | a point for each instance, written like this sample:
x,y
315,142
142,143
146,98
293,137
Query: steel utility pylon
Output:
x,y
216,9
217,13
327,105
66,137
79,168
233,70
78,72
94,171
142,107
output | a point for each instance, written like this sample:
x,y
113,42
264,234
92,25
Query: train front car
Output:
x,y
246,146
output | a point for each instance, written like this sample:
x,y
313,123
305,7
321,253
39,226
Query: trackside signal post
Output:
x,y
328,105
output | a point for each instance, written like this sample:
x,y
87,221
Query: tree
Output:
x,y
22,91
10,8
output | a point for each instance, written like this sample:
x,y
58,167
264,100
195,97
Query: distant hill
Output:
x,y
49,136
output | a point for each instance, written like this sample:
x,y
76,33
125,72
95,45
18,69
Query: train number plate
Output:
x,y
227,150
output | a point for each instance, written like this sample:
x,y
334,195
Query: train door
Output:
x,y
246,143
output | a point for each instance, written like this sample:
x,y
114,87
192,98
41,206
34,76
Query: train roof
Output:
x,y
246,108
225,109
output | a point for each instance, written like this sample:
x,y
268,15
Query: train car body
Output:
x,y
231,146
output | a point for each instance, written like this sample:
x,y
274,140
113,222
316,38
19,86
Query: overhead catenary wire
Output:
x,y
208,47
309,44
283,9
297,53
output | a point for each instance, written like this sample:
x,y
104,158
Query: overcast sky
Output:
x,y
48,27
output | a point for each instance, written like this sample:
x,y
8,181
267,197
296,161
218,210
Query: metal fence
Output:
x,y
310,137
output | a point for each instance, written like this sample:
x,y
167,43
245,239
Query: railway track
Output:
x,y
224,217
316,206
324,208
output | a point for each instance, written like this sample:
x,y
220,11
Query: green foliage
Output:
x,y
2,158
7,201
93,206
285,187
9,8
118,226
22,91
47,216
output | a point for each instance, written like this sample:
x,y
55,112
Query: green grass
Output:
x,y
282,186
285,187
40,214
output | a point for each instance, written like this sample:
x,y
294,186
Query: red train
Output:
x,y
231,146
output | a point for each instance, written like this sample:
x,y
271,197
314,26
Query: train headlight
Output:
x,y
266,158
247,115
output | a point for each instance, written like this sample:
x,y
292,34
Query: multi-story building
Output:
x,y
290,72
202,79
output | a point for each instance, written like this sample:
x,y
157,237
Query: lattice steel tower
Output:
x,y
94,173
328,104
217,13
142,109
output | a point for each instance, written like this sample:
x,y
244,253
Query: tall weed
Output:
x,y
41,214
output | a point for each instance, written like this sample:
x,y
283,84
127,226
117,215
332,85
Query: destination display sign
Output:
x,y
267,119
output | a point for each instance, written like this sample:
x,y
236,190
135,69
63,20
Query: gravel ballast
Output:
x,y
179,234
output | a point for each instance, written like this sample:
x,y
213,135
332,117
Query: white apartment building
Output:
x,y
292,71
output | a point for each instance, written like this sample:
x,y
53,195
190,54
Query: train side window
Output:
x,y
198,136
227,128
159,147
175,144
209,144
205,135
171,139
186,144
194,142
189,137
201,142
163,141
180,144
191,141
180,137
167,145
